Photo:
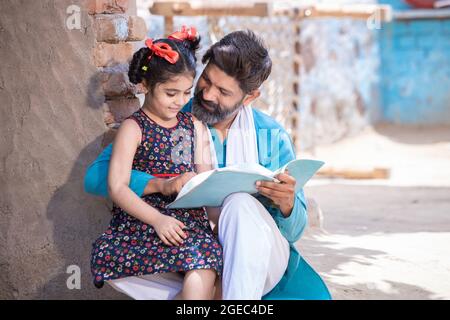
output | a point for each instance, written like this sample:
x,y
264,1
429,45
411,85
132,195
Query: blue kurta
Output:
x,y
275,149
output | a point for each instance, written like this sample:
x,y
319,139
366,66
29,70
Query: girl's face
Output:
x,y
168,98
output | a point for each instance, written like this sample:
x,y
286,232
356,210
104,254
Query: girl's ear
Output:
x,y
251,96
145,84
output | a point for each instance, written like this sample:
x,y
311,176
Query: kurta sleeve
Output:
x,y
282,151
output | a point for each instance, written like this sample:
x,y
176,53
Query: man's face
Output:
x,y
217,96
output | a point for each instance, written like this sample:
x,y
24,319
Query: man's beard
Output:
x,y
218,114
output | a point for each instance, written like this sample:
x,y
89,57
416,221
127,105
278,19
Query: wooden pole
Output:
x,y
168,25
167,8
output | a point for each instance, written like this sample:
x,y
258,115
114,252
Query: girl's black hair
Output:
x,y
160,70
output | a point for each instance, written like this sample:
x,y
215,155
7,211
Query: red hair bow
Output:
x,y
185,34
163,50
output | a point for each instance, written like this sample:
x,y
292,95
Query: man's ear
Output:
x,y
251,96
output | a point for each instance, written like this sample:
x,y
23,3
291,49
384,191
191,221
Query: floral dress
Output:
x,y
130,247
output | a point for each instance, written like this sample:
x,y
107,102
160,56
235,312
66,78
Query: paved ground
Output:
x,y
382,242
385,239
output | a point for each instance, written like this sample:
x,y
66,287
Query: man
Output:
x,y
257,234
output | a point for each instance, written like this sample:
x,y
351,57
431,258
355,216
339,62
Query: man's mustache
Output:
x,y
199,97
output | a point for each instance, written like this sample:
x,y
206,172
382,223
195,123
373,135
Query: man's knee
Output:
x,y
241,210
236,203
236,199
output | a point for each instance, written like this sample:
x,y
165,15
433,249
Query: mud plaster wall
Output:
x,y
52,127
339,80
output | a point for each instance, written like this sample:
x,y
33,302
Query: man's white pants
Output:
x,y
255,256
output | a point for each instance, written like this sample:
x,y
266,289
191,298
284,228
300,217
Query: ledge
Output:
x,y
422,14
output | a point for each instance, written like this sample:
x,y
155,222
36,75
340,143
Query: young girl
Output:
x,y
143,237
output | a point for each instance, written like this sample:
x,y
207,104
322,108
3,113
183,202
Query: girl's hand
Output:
x,y
169,230
173,185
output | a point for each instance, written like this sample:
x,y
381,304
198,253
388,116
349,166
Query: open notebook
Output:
x,y
210,188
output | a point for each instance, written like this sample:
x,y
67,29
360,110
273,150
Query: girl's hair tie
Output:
x,y
162,50
185,34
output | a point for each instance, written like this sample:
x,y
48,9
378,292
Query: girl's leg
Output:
x,y
218,289
198,285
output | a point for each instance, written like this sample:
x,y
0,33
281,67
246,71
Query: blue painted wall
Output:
x,y
415,71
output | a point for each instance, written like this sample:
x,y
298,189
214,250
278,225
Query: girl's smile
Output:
x,y
168,98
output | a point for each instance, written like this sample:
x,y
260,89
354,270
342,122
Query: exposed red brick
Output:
x,y
114,28
117,84
137,30
109,118
122,108
111,28
107,54
107,6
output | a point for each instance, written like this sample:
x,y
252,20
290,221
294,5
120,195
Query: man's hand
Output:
x,y
282,194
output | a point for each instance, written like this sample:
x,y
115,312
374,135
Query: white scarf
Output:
x,y
241,140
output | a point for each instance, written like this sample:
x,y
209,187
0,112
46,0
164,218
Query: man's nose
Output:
x,y
209,95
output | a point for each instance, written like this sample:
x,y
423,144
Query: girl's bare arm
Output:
x,y
124,148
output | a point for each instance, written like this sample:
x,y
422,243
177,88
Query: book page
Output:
x,y
249,168
195,181
212,187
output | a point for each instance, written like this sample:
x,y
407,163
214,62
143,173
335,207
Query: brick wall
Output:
x,y
117,30
62,86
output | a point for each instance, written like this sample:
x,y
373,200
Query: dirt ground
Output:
x,y
384,239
